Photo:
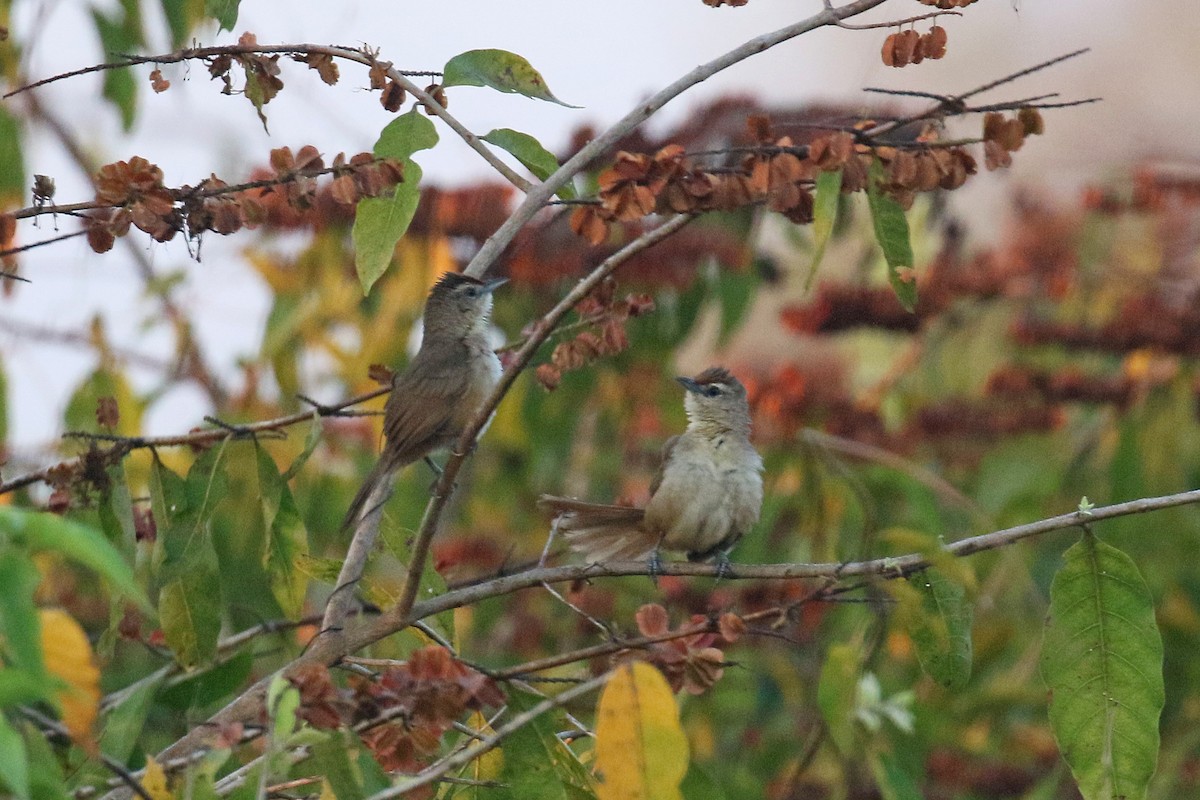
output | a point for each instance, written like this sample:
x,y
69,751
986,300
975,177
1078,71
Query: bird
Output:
x,y
438,394
707,494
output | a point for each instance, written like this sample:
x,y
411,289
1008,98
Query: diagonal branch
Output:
x,y
367,529
541,194
489,742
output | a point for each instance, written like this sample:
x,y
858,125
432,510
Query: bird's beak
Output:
x,y
494,284
689,384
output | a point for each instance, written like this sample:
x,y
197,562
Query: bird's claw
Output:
x,y
724,565
654,566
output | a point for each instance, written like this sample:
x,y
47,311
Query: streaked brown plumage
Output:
x,y
434,399
706,496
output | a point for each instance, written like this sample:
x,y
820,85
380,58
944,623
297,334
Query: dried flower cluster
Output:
x,y
403,714
688,662
606,316
1005,135
947,4
134,193
780,175
909,47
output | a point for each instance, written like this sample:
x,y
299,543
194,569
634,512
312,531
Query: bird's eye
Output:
x,y
712,391
472,291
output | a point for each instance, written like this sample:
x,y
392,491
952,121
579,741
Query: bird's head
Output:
x,y
459,304
716,400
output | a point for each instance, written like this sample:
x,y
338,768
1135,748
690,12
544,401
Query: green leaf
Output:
x,y
1102,658
283,700
942,634
380,222
189,603
124,721
14,763
331,760
19,629
12,180
734,293
19,686
500,70
207,686
893,780
310,444
190,615
45,770
825,208
836,694
104,382
891,231
406,134
537,765
286,538
181,18
120,33
225,12
42,531
529,151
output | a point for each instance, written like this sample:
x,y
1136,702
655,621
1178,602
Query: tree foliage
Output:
x,y
182,615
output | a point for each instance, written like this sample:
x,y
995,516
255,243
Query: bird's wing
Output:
x,y
664,459
419,413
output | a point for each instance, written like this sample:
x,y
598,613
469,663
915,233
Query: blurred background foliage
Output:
x,y
1060,363
1031,375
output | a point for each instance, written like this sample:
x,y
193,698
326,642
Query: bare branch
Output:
x,y
540,194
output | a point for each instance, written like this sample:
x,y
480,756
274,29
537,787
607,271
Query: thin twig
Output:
x,y
42,243
56,728
542,329
359,55
536,199
204,436
474,751
896,23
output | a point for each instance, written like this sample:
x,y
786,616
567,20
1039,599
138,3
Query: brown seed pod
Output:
x,y
905,47
935,42
1031,121
889,50
392,97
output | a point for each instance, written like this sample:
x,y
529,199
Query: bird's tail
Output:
x,y
375,489
600,532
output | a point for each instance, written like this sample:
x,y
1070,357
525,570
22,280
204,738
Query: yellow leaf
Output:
x,y
327,792
641,750
489,765
68,656
154,781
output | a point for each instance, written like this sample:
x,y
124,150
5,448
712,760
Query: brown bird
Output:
x,y
707,494
434,399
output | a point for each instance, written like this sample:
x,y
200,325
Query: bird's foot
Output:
x,y
654,566
433,465
724,565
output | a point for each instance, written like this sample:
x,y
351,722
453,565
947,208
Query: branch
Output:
x,y
486,743
358,55
191,359
956,104
123,444
542,330
540,194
